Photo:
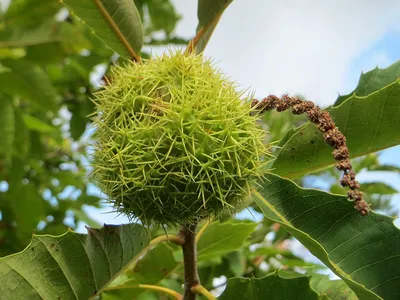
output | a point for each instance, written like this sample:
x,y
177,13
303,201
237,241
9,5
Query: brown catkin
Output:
x,y
332,136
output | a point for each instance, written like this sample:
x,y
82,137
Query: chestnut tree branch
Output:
x,y
188,232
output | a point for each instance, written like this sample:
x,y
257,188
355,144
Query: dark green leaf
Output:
x,y
21,140
28,208
70,266
18,77
208,13
369,123
116,22
352,246
80,118
155,265
7,129
270,287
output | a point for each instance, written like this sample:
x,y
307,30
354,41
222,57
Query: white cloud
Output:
x,y
303,47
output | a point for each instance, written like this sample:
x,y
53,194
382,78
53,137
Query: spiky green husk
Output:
x,y
175,142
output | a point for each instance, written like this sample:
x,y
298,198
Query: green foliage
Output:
x,y
116,22
175,142
353,247
29,82
223,238
7,130
71,266
158,264
208,12
272,285
331,289
373,81
369,123
163,15
287,285
48,61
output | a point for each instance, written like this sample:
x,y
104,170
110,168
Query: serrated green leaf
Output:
x,y
70,266
370,124
222,238
270,287
22,78
116,22
208,13
363,251
373,81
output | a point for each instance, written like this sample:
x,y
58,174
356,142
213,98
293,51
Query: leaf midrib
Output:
x,y
116,30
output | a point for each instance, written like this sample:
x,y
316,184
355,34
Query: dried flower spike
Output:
x,y
332,136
